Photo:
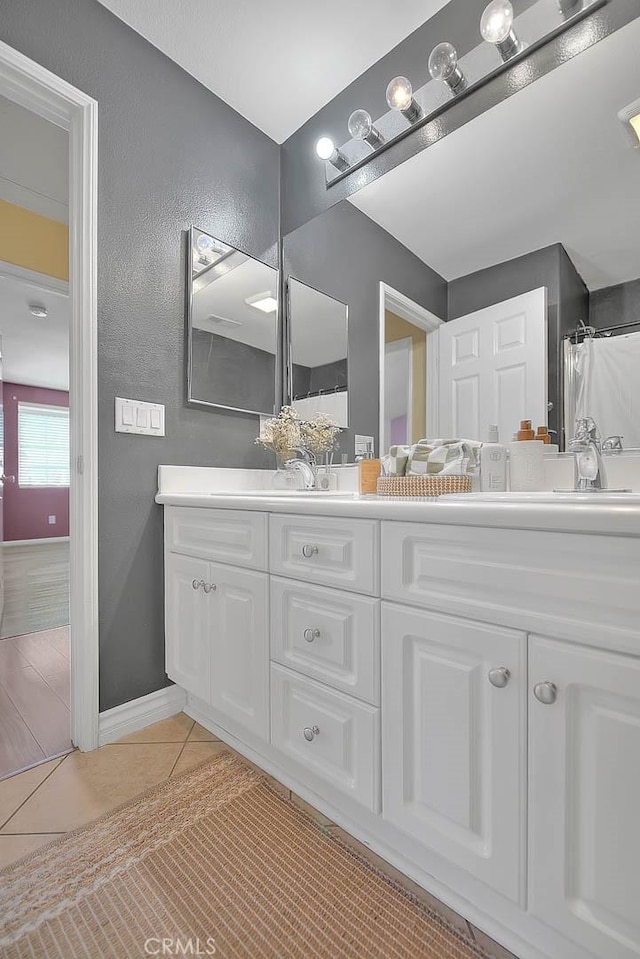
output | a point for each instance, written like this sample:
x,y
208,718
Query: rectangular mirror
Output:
x,y
232,327
319,348
507,235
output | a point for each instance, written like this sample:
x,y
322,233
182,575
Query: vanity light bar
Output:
x,y
542,22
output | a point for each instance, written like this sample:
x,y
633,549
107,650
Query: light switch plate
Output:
x,y
134,416
362,444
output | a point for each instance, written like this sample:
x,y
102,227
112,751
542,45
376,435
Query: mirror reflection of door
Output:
x,y
405,381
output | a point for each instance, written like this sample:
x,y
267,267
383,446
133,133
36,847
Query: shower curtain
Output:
x,y
606,385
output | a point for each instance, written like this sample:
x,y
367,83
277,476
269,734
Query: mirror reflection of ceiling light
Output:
x,y
630,117
265,302
37,310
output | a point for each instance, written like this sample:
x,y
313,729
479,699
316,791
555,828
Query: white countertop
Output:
x,y
191,487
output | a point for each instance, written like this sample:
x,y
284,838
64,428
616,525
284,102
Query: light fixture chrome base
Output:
x,y
375,139
413,112
457,82
509,47
339,161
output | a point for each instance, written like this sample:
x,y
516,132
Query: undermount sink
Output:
x,y
609,497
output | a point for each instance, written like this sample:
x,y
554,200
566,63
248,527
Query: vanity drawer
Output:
x,y
327,551
237,537
329,635
332,735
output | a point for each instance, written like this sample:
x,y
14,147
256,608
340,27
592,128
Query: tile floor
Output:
x,y
41,804
34,698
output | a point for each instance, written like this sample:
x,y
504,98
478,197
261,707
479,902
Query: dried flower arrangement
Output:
x,y
286,433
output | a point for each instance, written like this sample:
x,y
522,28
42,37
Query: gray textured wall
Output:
x,y
616,304
345,254
170,154
304,192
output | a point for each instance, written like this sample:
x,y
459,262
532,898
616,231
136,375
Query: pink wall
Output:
x,y
27,511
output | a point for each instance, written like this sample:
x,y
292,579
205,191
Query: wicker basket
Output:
x,y
434,485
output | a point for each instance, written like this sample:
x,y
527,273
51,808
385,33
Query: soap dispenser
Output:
x,y
493,464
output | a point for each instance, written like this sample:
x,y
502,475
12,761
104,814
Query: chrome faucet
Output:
x,y
587,445
305,467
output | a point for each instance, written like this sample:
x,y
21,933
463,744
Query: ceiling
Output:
x,y
277,62
318,327
35,352
551,164
220,307
34,162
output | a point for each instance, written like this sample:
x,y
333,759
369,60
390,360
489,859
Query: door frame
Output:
x,y
47,95
412,312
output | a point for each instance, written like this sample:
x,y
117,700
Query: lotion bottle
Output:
x,y
493,464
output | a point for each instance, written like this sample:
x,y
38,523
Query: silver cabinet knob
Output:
x,y
311,634
209,587
310,733
546,693
197,583
308,551
499,676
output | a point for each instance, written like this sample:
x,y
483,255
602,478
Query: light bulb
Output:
x,y
400,97
443,65
204,243
327,150
496,26
361,128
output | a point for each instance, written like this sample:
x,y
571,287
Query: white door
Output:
x,y
240,646
187,614
585,796
493,368
453,742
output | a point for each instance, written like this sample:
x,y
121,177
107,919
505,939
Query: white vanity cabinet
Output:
x,y
217,614
454,741
584,809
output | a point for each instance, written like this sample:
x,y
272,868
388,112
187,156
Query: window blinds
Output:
x,y
43,445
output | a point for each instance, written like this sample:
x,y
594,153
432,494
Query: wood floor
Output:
x,y
35,719
36,587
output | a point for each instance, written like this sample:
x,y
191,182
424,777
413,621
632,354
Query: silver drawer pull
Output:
x,y
546,693
310,733
209,587
311,634
499,677
308,551
197,583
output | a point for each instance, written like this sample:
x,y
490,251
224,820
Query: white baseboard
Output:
x,y
139,713
43,541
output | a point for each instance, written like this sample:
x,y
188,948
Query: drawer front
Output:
x,y
230,536
327,551
332,735
584,587
328,635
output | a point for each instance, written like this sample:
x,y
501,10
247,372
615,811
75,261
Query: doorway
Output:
x,y
48,669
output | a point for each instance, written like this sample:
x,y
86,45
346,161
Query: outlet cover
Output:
x,y
52,521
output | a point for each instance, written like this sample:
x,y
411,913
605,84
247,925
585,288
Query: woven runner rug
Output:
x,y
213,863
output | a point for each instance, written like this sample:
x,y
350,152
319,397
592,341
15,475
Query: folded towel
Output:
x,y
447,456
395,462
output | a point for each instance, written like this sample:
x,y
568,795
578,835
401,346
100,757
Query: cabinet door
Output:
x,y
585,796
187,624
454,744
240,646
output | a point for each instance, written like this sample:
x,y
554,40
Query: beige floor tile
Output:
x,y
201,735
13,848
278,787
195,753
453,918
172,730
14,791
490,946
317,816
87,785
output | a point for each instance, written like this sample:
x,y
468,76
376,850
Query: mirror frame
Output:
x,y
288,346
191,401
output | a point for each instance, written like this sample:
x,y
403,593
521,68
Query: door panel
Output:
x,y
585,796
453,743
240,646
493,368
187,611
